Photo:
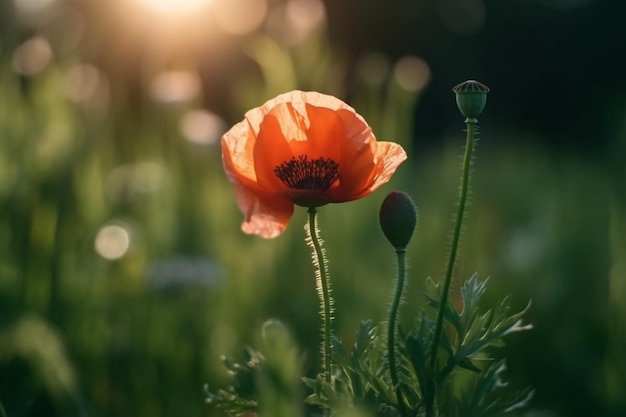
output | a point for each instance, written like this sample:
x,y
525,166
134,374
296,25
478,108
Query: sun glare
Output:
x,y
178,7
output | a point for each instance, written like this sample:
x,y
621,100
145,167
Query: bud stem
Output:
x,y
391,331
467,161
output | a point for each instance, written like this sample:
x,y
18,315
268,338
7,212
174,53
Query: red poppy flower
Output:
x,y
302,148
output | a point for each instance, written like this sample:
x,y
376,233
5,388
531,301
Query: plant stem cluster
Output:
x,y
444,365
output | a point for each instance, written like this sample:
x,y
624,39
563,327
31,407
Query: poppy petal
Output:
x,y
389,155
270,150
286,133
265,216
237,155
312,120
366,173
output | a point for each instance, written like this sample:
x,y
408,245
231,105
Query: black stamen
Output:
x,y
304,174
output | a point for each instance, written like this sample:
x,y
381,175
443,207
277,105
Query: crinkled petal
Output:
x,y
296,99
266,216
237,151
389,156
368,172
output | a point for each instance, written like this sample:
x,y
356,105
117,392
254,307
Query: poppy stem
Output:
x,y
322,281
391,330
467,162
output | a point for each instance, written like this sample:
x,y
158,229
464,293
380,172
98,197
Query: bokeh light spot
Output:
x,y
175,7
202,127
412,73
296,21
175,86
32,56
85,83
240,17
306,15
31,6
112,242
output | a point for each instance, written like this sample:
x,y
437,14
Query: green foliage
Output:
x,y
475,329
486,396
467,381
361,378
267,381
241,396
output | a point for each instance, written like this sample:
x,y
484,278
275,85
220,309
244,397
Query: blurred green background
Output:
x,y
123,273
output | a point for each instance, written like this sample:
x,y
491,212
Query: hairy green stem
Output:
x,y
391,331
324,292
467,160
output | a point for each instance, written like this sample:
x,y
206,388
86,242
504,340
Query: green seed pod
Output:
x,y
471,97
398,218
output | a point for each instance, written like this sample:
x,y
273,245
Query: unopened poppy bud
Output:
x,y
398,217
471,97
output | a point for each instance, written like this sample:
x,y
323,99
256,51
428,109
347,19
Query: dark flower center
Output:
x,y
304,174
